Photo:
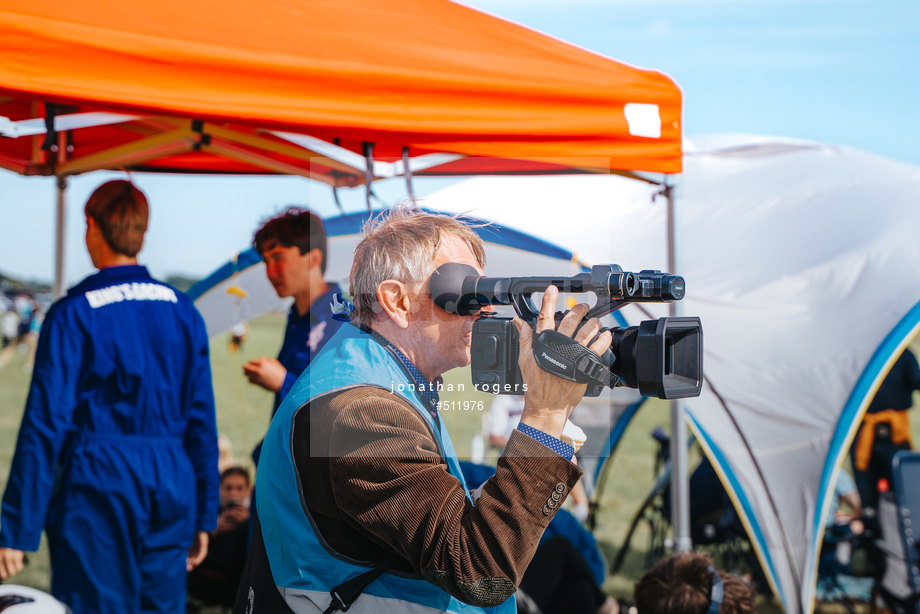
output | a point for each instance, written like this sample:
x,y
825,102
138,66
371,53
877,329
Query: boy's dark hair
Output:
x,y
682,584
121,211
235,471
295,227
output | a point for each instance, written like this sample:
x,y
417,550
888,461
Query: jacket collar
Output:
x,y
111,275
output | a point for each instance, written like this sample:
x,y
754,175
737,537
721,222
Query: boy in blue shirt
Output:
x,y
294,247
117,452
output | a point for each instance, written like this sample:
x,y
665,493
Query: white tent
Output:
x,y
803,262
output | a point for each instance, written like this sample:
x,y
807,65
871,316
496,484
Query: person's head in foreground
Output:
x,y
116,220
389,285
293,246
234,485
689,584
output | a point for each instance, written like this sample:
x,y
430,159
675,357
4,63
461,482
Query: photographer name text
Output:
x,y
441,387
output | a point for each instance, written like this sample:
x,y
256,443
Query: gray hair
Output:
x,y
401,243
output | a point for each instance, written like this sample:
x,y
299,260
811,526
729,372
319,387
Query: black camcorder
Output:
x,y
662,358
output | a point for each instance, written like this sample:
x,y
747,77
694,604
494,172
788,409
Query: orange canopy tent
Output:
x,y
311,87
344,91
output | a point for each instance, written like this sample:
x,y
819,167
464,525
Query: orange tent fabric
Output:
x,y
430,75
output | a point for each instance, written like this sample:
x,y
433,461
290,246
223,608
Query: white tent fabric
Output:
x,y
241,293
802,260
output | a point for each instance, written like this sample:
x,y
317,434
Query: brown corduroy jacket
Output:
x,y
374,481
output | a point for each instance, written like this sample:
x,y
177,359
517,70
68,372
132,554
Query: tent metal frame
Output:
x,y
680,482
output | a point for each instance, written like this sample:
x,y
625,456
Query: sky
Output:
x,y
841,72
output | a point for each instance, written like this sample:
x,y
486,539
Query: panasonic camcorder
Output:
x,y
662,358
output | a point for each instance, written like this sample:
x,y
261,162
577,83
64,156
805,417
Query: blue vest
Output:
x,y
303,566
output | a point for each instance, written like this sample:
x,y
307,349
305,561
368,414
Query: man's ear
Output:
x,y
93,229
316,258
393,297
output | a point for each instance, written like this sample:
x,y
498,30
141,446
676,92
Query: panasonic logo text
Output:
x,y
555,362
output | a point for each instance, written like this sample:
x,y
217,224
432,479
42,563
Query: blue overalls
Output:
x,y
117,452
303,567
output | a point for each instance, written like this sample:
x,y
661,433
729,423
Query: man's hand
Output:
x,y
10,562
549,400
198,551
266,372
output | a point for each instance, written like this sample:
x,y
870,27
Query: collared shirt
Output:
x,y
304,337
428,390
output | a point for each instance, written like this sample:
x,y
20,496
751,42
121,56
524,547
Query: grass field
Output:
x,y
243,412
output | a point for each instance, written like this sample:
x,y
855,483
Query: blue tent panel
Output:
x,y
245,260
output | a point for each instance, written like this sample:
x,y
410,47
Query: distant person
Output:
x,y
293,247
25,305
566,571
215,581
238,335
9,330
504,416
558,580
843,525
35,326
712,514
885,429
689,584
225,458
117,452
845,491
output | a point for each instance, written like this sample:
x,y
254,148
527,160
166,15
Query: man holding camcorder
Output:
x,y
362,505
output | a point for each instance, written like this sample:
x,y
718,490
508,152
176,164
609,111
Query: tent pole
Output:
x,y
680,477
58,288
335,196
369,171
407,172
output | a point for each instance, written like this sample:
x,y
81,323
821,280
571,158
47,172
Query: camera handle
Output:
x,y
566,358
522,291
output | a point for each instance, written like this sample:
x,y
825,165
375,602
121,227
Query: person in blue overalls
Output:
x,y
293,246
117,452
